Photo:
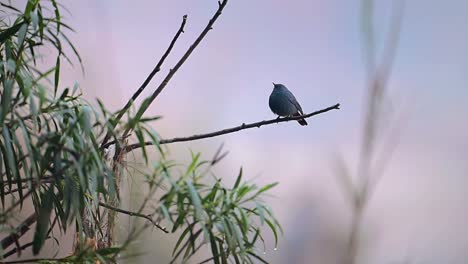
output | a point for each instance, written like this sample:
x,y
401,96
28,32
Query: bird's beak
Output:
x,y
273,83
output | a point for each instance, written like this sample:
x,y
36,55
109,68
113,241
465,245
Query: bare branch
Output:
x,y
20,230
21,248
171,73
234,129
33,260
156,69
147,217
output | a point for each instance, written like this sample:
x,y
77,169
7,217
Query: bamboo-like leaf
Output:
x,y
22,34
273,229
195,199
186,231
2,185
193,165
214,248
10,32
257,257
260,212
57,75
12,170
43,220
6,99
238,180
57,14
141,141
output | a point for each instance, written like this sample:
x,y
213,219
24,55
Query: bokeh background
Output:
x,y
419,209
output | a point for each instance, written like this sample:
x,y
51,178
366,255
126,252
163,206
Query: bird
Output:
x,y
283,103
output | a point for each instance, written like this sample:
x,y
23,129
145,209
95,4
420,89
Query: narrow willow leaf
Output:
x,y
2,185
195,200
10,32
108,251
193,165
57,14
180,220
238,180
57,75
42,226
30,7
224,259
10,66
22,34
141,141
214,248
212,194
34,19
257,257
260,212
266,188
12,162
186,231
6,98
273,229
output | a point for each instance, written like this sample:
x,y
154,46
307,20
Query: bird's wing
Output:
x,y
293,101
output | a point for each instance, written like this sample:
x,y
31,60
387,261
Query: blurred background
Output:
x,y
417,212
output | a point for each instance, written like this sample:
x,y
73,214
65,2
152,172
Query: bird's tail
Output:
x,y
302,122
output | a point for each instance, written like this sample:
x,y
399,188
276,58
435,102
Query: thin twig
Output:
x,y
156,69
183,247
19,202
233,129
147,217
20,230
171,73
33,260
23,247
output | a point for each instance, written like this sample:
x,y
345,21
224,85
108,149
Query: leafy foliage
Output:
x,y
56,155
228,219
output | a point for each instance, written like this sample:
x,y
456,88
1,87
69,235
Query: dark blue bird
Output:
x,y
283,103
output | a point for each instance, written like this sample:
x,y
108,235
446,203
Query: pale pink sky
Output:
x,y
420,208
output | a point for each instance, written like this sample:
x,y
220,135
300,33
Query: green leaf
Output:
x,y
221,250
2,186
273,229
108,251
57,75
22,34
141,141
257,257
30,7
10,32
11,161
266,188
214,248
193,165
195,200
260,212
34,19
57,14
11,66
42,226
181,237
6,99
238,180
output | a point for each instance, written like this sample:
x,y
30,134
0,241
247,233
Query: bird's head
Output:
x,y
278,85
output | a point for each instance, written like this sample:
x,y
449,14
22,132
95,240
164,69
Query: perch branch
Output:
x,y
147,217
234,129
171,73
